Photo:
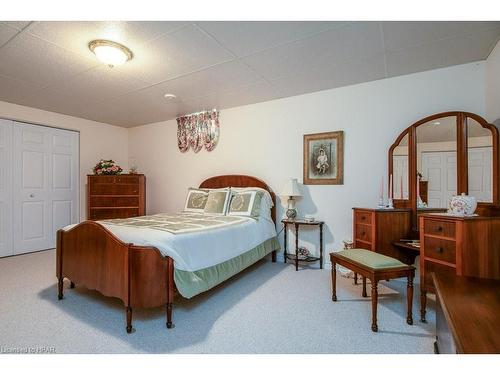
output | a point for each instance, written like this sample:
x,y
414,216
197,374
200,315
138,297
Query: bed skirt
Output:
x,y
189,284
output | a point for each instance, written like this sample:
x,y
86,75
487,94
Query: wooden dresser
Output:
x,y
458,299
463,246
113,197
378,229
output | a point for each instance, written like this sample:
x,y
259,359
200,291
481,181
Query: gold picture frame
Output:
x,y
324,158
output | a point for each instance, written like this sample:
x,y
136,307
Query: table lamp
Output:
x,y
291,190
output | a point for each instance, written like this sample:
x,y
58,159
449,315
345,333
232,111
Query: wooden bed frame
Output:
x,y
92,256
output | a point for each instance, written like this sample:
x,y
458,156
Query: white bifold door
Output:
x,y
440,169
43,171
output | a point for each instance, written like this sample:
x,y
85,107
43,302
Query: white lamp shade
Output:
x,y
291,189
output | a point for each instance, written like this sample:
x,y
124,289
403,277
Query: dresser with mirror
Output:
x,y
431,161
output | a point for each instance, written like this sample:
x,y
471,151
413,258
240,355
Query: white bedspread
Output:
x,y
198,250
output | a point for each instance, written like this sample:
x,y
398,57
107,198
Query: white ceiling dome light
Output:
x,y
110,53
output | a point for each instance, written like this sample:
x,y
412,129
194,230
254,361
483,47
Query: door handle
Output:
x,y
32,195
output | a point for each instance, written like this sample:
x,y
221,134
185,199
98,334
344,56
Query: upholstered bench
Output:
x,y
375,267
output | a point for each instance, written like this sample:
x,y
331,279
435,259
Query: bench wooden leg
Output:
x,y
334,281
374,305
409,298
355,278
364,287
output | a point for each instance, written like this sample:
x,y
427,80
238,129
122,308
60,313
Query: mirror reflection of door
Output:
x,y
400,169
436,163
480,161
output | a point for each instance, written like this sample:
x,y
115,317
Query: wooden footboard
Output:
x,y
90,255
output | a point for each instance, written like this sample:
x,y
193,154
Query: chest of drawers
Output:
x,y
462,246
113,197
378,229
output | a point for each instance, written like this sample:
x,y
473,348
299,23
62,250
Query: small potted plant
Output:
x,y
107,167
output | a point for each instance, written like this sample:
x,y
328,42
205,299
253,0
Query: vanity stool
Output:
x,y
375,267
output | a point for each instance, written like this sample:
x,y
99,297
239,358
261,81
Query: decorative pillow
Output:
x,y
218,201
196,200
246,203
266,196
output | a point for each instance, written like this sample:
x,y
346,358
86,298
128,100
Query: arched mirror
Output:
x,y
444,155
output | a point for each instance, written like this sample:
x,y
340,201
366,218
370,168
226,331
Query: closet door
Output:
x,y
45,185
64,197
5,187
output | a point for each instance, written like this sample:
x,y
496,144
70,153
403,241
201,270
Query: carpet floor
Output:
x,y
268,308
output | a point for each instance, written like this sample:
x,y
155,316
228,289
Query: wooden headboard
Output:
x,y
234,180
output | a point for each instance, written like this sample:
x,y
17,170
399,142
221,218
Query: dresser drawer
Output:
x,y
437,248
363,232
439,228
112,201
127,179
114,189
363,217
430,267
112,213
102,179
362,245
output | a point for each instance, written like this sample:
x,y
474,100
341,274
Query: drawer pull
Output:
x,y
363,217
363,233
439,250
439,229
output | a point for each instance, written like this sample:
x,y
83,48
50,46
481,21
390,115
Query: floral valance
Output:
x,y
198,130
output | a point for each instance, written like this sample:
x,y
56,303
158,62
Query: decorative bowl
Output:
x,y
463,205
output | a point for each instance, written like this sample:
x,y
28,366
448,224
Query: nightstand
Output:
x,y
295,257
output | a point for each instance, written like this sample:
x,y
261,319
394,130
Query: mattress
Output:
x,y
204,258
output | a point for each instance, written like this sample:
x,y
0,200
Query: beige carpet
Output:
x,y
269,308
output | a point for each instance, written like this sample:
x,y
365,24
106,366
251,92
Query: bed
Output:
x,y
146,267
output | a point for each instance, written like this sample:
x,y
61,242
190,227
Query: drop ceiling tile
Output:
x,y
442,53
255,93
132,110
18,25
15,91
341,74
98,83
180,52
401,35
40,63
359,40
223,77
244,38
62,102
6,33
75,36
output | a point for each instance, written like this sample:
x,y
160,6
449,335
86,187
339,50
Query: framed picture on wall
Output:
x,y
324,158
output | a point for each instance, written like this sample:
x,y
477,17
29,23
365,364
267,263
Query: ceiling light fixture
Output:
x,y
170,96
110,53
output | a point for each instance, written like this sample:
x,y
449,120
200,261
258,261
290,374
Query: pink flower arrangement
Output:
x,y
107,167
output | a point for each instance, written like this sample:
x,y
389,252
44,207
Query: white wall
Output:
x,y
97,140
493,85
265,140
